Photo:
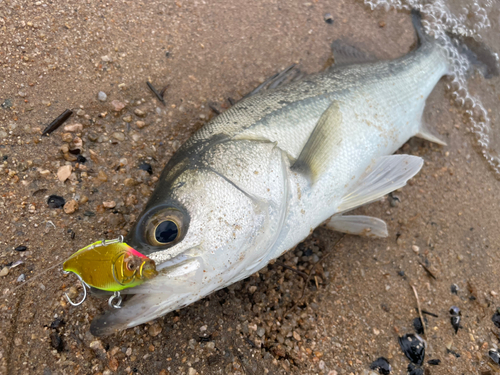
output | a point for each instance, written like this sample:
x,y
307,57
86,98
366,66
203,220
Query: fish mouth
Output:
x,y
182,273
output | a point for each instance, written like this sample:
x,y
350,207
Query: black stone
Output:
x,y
496,318
382,365
55,201
454,288
417,324
21,248
81,159
434,362
146,167
495,356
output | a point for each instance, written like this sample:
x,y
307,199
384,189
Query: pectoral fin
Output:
x,y
387,174
319,151
358,224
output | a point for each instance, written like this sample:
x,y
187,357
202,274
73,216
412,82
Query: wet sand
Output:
x,y
56,56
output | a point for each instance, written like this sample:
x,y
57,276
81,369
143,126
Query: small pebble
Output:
x,y
119,136
127,118
328,18
154,330
139,112
102,176
21,278
102,96
21,248
117,105
4,271
64,172
140,124
415,248
74,128
109,204
70,206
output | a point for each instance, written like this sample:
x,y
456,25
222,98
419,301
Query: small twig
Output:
x,y
158,95
427,270
57,122
418,307
281,264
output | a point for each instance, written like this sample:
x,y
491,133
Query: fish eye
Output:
x,y
165,227
166,231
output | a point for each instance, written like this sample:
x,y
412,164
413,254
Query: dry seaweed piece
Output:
x,y
382,365
413,346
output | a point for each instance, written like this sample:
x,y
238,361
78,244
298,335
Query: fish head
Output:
x,y
203,219
206,226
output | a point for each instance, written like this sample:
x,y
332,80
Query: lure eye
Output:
x,y
165,227
131,266
166,232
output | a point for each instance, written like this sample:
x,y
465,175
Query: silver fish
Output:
x,y
256,180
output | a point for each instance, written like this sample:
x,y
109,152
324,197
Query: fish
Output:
x,y
110,266
257,179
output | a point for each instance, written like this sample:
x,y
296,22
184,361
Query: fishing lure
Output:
x,y
110,266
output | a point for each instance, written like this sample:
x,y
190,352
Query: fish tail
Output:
x,y
416,19
427,43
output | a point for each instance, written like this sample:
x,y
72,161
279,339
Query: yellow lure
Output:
x,y
111,265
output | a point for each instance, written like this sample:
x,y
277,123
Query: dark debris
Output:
x,y
382,365
496,318
495,356
413,346
415,370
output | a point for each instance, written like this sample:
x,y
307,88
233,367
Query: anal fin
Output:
x,y
425,133
358,224
387,174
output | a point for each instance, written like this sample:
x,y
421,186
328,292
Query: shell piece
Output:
x,y
111,266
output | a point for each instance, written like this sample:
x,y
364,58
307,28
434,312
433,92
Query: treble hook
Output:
x,y
118,302
84,293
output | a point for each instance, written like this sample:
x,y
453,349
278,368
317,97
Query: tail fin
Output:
x,y
416,19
